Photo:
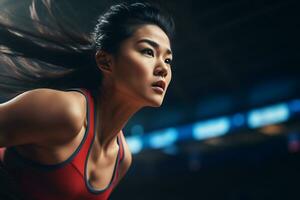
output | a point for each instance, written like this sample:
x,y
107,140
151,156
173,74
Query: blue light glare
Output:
x,y
211,128
269,115
137,130
295,105
163,138
135,144
167,138
238,120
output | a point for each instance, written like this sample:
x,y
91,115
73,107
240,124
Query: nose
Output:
x,y
161,69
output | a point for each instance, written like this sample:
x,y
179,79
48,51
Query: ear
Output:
x,y
104,61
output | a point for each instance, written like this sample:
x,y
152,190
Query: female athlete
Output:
x,y
61,136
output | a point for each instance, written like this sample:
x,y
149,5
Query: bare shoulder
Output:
x,y
66,104
46,96
49,110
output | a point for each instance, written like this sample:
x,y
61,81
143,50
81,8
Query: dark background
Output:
x,y
229,57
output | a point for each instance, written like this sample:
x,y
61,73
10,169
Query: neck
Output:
x,y
113,110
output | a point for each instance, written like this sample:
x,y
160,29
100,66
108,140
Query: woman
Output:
x,y
63,137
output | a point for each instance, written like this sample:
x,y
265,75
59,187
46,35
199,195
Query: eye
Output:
x,y
148,52
168,61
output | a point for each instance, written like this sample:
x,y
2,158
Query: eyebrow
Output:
x,y
154,44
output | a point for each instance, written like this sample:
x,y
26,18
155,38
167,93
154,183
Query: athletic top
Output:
x,y
66,180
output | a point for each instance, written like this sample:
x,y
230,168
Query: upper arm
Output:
x,y
40,115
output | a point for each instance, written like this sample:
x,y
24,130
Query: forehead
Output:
x,y
154,33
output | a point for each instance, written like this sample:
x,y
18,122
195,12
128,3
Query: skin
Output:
x,y
128,78
126,88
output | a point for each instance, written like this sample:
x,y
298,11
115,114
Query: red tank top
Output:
x,y
66,180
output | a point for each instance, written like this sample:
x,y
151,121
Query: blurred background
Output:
x,y
229,125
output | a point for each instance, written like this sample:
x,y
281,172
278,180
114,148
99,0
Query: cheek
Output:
x,y
134,70
169,77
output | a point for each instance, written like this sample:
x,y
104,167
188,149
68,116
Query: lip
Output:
x,y
158,89
160,84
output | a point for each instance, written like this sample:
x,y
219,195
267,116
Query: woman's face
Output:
x,y
143,60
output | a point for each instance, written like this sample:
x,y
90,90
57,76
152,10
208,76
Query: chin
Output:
x,y
156,104
154,101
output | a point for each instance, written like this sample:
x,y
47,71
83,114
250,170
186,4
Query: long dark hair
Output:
x,y
53,55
